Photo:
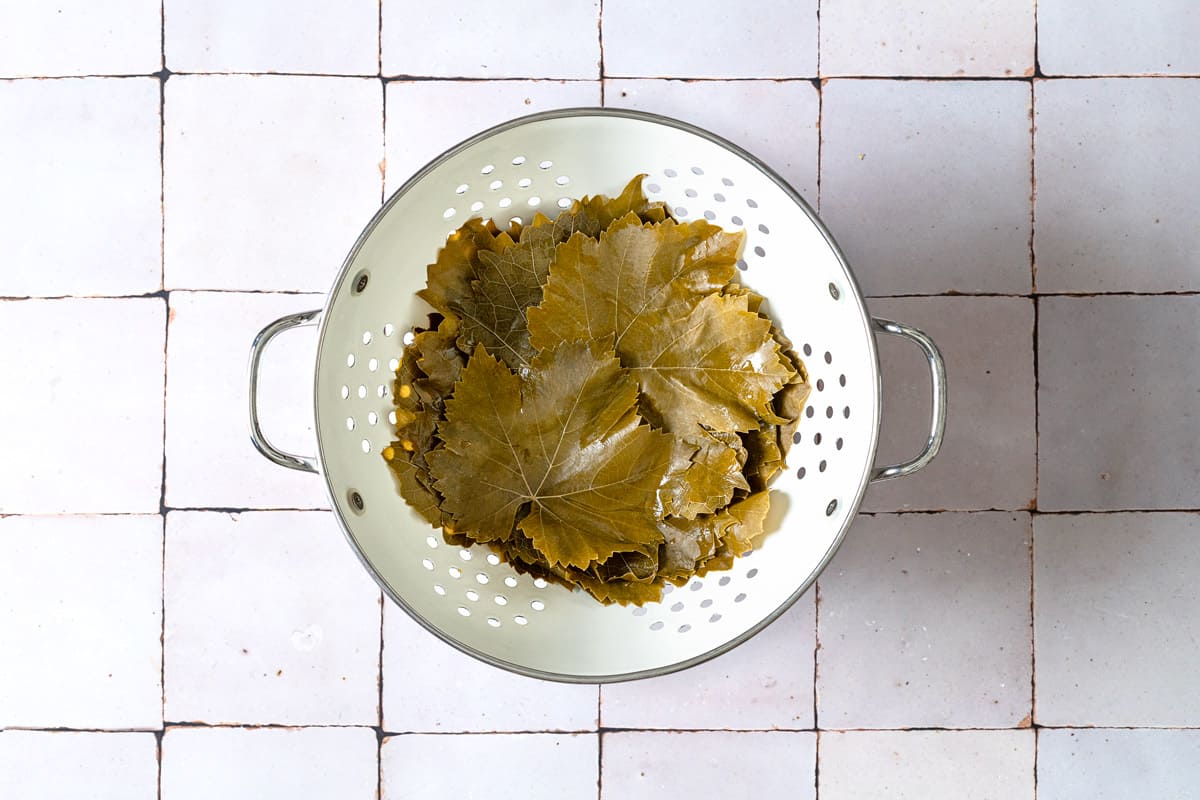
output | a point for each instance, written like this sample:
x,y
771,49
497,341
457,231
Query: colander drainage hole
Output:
x,y
510,582
726,181
656,626
715,618
432,542
496,185
677,607
539,583
763,228
820,384
684,628
461,188
807,349
495,623
691,193
500,600
735,219
520,620
449,213
740,597
838,443
481,578
464,611
564,202
751,573
706,602
439,589
697,171
546,165
680,211
817,437
800,473
710,215
742,265
465,555
832,507
366,445
758,251
751,203
696,586
653,188
350,359
724,581
362,391
345,392
455,572
488,169
562,180
639,612
472,595
525,183
427,564
670,173
537,605
518,161
349,423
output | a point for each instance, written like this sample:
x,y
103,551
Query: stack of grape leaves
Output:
x,y
595,398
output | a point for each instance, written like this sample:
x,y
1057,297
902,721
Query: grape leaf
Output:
x,y
701,357
506,283
704,473
562,446
448,279
426,374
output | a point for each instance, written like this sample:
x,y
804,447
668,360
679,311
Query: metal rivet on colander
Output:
x,y
833,291
356,501
360,281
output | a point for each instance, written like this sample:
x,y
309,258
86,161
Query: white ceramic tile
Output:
x,y
711,39
1121,37
269,619
774,120
82,420
641,766
927,765
270,764
269,179
65,765
926,185
426,118
80,37
1117,619
925,622
537,766
1117,401
763,684
100,230
1097,764
927,37
209,336
474,39
1117,169
428,686
273,36
80,622
987,343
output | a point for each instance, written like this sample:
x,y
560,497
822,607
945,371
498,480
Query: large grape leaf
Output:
x,y
561,450
701,356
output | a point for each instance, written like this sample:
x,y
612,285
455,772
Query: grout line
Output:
x,y
163,75
1037,58
158,753
1037,735
383,155
320,293
817,766
568,732
895,513
599,765
600,34
379,762
550,79
379,38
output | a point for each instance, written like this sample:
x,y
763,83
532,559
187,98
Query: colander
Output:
x,y
468,597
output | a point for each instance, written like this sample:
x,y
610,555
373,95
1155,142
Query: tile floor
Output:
x,y
179,618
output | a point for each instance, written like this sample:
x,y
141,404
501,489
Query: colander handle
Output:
x,y
937,374
273,453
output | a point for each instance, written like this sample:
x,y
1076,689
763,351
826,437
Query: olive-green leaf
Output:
x,y
561,452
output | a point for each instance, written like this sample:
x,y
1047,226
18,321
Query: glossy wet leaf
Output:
x,y
701,357
562,448
704,474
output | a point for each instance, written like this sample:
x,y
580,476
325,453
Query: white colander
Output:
x,y
537,163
